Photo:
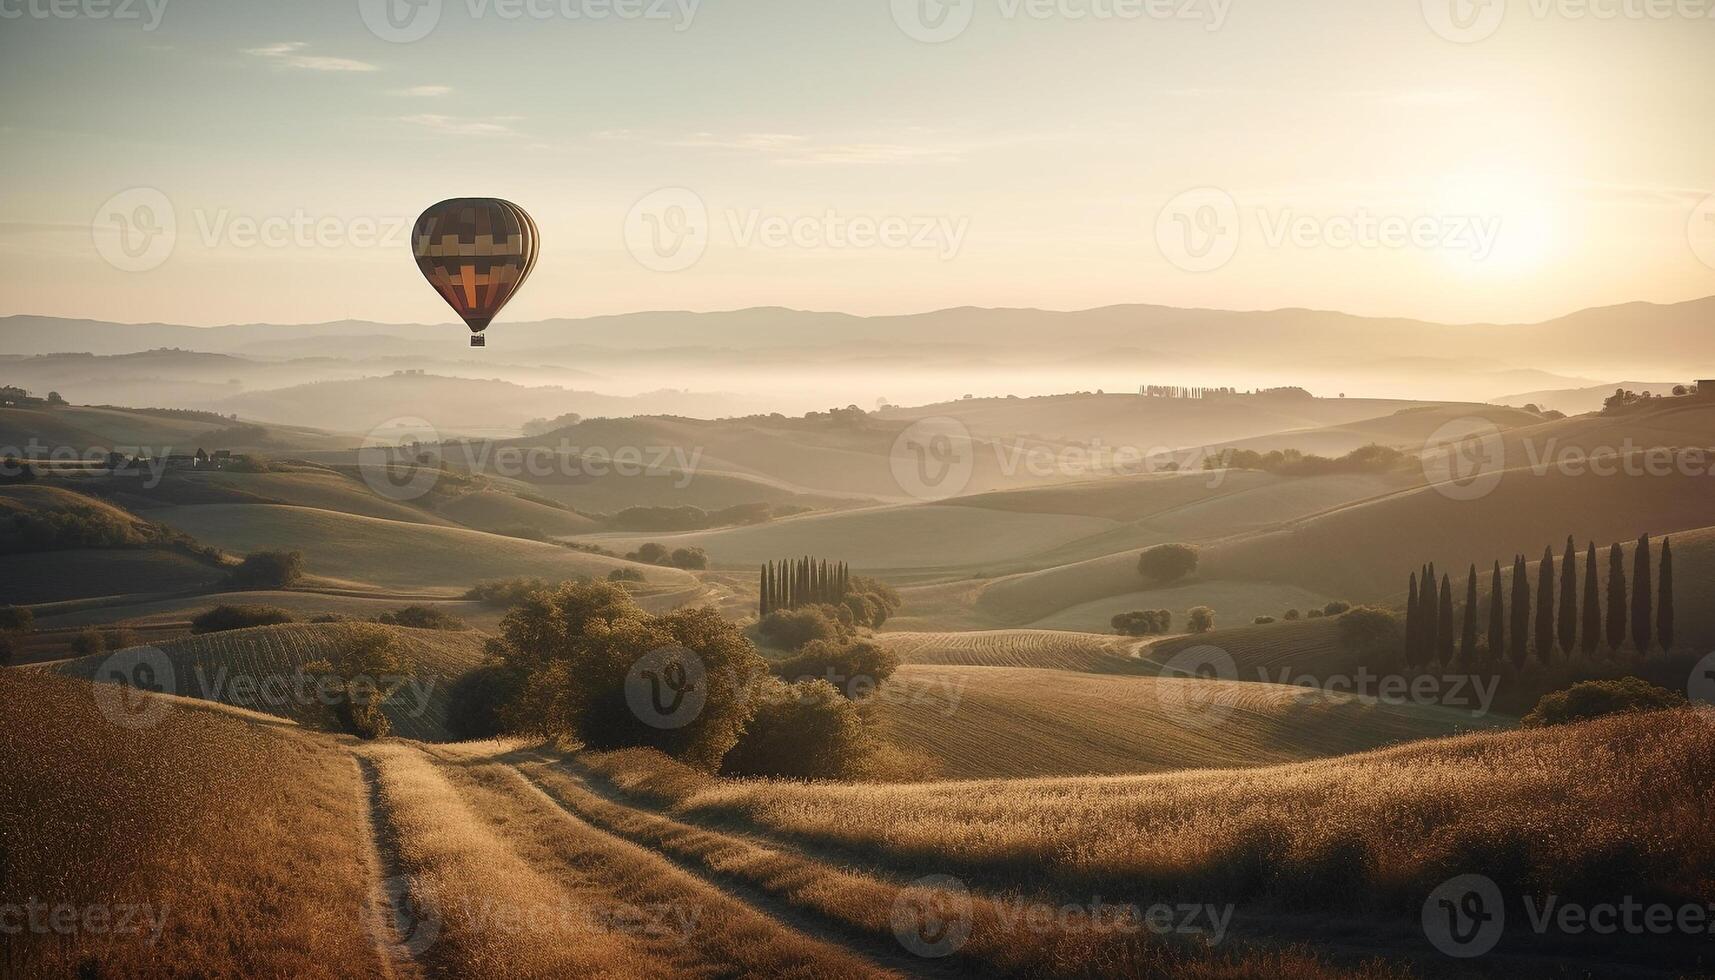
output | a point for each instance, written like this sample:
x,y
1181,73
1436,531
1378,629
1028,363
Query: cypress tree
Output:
x,y
1591,637
1545,607
1444,623
1567,627
1468,634
763,591
1664,605
1519,650
1641,597
1616,598
1497,621
1411,622
1428,619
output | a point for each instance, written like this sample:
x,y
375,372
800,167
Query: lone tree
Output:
x,y
1545,607
1591,636
1664,605
1616,598
1468,632
1444,623
1641,597
1567,626
1167,563
1200,619
1370,633
1497,620
269,570
1519,650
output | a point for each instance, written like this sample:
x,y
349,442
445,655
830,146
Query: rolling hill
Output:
x,y
369,554
254,669
1022,722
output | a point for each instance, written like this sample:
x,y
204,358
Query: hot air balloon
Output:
x,y
476,252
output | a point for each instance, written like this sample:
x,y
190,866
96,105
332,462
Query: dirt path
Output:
x,y
390,919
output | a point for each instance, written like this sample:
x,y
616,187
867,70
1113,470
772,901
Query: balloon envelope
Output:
x,y
477,252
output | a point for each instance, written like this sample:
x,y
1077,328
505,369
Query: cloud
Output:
x,y
458,126
787,148
423,91
289,54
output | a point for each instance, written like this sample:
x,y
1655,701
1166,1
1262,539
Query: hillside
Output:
x,y
1051,649
92,430
255,668
366,553
1021,722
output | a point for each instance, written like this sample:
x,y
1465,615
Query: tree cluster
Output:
x,y
1564,620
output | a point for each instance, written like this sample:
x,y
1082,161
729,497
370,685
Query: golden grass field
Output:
x,y
245,668
388,555
988,722
1093,652
58,576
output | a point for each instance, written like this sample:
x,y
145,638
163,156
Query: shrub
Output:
x,y
1291,615
626,575
8,650
650,554
423,618
269,570
790,629
123,639
506,593
800,731
478,699
1167,563
1314,614
1596,699
1336,607
855,669
1147,622
88,642
1370,633
689,558
238,617
17,619
1263,620
1200,619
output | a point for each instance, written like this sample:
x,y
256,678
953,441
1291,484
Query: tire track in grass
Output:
x,y
390,921
729,932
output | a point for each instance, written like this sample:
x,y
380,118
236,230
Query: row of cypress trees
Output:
x,y
795,582
1515,631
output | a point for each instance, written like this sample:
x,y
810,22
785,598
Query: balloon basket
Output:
x,y
479,341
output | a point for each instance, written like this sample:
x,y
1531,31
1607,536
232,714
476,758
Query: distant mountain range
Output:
x,y
787,360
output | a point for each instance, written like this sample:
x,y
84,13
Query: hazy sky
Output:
x,y
1479,161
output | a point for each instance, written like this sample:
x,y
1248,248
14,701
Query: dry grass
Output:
x,y
1617,806
685,926
1092,652
240,831
1012,722
498,915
